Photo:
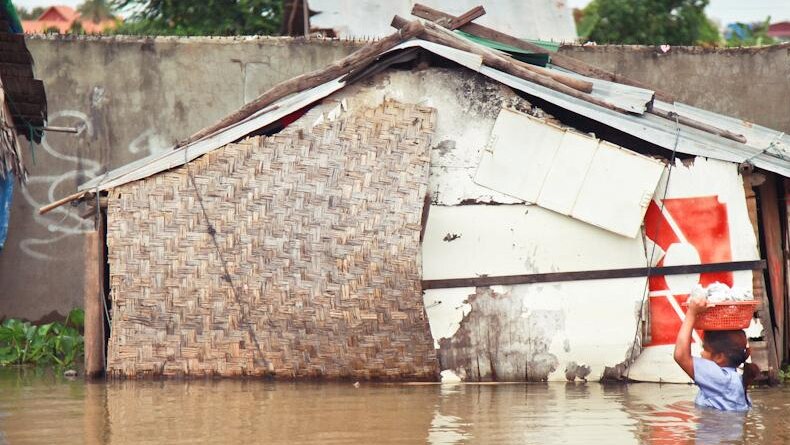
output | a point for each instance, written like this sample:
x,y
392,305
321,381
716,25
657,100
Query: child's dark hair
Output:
x,y
734,347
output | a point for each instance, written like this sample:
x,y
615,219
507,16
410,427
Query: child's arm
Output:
x,y
683,344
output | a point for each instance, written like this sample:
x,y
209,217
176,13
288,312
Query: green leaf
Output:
x,y
76,318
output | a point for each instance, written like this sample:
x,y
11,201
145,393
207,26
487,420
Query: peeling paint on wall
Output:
x,y
544,331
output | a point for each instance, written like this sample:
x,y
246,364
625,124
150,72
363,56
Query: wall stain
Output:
x,y
500,340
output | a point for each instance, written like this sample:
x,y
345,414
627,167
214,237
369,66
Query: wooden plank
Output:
x,y
763,313
557,59
467,17
507,280
541,76
786,251
751,209
772,240
94,320
355,60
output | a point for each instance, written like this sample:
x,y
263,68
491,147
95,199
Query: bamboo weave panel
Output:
x,y
319,229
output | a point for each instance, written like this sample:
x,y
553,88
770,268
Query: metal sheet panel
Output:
x,y
569,173
548,328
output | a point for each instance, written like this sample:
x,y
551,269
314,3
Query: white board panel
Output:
x,y
617,190
474,240
562,185
570,173
519,155
590,324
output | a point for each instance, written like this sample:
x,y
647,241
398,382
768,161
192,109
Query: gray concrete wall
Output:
x,y
132,97
749,83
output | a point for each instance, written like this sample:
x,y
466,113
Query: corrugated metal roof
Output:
x,y
765,148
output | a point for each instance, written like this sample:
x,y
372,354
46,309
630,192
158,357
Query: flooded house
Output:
x,y
433,207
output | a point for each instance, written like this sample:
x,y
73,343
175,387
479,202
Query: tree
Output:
x,y
201,17
32,14
96,10
647,22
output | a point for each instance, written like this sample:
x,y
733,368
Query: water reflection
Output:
x,y
41,408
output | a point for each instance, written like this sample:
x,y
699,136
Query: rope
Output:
x,y
646,291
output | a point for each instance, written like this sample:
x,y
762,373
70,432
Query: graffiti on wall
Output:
x,y
65,221
683,231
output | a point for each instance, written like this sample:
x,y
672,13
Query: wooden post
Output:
x,y
94,320
760,294
772,237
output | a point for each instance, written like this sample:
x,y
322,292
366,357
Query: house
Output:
x,y
779,31
23,110
64,19
430,206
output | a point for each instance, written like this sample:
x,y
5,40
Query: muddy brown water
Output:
x,y
41,408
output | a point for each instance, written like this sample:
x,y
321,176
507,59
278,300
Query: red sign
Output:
x,y
697,227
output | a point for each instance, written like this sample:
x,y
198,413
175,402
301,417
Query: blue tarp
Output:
x,y
6,192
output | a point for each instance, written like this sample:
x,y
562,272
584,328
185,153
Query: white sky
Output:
x,y
724,11
729,11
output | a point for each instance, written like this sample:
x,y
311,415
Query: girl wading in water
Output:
x,y
720,384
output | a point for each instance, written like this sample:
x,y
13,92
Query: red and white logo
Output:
x,y
686,231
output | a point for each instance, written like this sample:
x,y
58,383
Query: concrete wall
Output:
x,y
132,97
749,83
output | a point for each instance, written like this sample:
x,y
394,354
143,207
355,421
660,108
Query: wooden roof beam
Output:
x,y
560,60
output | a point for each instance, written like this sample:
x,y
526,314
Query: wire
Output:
x,y
213,233
646,291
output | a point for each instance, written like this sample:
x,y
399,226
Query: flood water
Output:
x,y
42,408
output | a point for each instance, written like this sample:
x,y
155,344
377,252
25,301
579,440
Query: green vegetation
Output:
x,y
32,14
784,374
748,34
647,22
200,17
96,10
58,344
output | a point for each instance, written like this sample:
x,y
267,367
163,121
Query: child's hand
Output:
x,y
696,305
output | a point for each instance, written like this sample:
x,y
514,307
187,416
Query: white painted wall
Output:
x,y
527,19
588,323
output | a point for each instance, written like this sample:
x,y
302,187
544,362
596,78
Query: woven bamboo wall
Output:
x,y
319,232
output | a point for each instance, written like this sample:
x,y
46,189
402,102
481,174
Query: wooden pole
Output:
x,y
560,60
576,66
467,17
61,201
435,34
698,125
355,60
606,274
94,320
772,237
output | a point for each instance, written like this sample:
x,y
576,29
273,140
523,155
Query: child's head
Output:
x,y
730,349
726,348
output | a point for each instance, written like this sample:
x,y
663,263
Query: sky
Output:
x,y
724,11
729,11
